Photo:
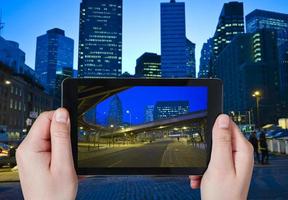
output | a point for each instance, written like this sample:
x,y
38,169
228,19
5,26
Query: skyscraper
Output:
x,y
149,113
54,59
230,24
174,50
278,22
262,19
206,55
115,114
148,65
190,59
247,64
100,38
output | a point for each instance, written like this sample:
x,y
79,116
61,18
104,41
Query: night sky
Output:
x,y
27,19
137,98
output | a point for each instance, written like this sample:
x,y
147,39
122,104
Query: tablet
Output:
x,y
142,126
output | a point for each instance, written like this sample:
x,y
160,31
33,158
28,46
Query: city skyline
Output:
x,y
132,49
196,96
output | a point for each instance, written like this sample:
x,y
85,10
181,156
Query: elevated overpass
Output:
x,y
151,126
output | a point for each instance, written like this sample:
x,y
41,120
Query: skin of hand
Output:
x,y
229,173
45,160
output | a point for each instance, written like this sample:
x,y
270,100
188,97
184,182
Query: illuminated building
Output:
x,y
170,109
248,63
149,113
148,65
100,39
278,23
230,24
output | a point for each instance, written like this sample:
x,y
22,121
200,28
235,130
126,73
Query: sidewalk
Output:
x,y
269,182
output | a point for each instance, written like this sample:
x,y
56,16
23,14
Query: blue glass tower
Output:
x,y
54,59
206,55
174,55
100,38
278,23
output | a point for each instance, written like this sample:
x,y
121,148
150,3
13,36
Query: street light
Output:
x,y
7,82
257,95
129,113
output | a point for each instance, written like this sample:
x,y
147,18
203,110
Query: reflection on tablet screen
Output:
x,y
142,126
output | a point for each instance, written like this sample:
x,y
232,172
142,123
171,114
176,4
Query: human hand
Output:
x,y
45,160
230,169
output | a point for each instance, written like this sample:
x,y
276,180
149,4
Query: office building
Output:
x,y
100,39
149,110
247,64
170,109
190,59
54,60
148,65
230,24
205,59
115,113
22,100
278,22
176,51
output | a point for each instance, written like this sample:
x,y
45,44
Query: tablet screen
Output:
x,y
142,126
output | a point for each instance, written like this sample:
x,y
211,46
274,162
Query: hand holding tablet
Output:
x,y
137,126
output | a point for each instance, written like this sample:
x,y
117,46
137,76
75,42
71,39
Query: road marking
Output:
x,y
116,163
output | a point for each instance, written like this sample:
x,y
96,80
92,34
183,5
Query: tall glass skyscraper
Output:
x,y
277,22
261,19
206,55
174,55
54,59
100,38
230,24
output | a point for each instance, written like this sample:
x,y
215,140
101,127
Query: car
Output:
x,y
7,155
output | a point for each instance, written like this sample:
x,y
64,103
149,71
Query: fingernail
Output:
x,y
224,122
61,116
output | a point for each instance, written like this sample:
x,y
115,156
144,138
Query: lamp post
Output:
x,y
129,113
257,95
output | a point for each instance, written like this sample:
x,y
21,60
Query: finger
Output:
x,y
221,155
243,153
38,138
61,153
195,181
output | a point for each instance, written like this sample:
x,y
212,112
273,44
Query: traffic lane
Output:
x,y
149,155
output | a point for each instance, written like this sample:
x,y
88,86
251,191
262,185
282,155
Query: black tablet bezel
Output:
x,y
69,100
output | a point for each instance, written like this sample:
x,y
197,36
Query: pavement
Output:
x,y
164,153
269,182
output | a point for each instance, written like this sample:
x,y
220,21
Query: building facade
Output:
x,y
149,110
170,109
278,22
100,38
247,64
205,60
54,60
230,24
115,113
148,65
176,50
22,100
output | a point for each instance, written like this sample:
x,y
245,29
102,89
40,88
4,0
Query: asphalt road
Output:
x,y
167,153
148,155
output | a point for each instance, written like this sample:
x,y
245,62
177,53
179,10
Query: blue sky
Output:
x,y
27,19
137,98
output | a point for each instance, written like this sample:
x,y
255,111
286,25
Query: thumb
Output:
x,y
61,153
221,155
